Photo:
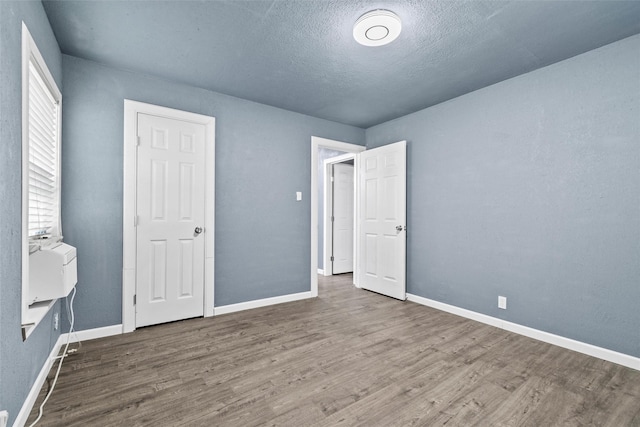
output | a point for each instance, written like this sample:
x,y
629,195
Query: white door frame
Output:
x,y
316,143
131,110
327,237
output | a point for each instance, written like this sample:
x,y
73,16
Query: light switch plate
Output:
x,y
298,195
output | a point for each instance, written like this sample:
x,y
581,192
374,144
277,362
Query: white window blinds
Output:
x,y
43,163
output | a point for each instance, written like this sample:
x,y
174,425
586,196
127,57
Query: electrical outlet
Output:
x,y
502,302
56,321
4,418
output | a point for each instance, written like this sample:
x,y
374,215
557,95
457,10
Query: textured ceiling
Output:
x,y
300,54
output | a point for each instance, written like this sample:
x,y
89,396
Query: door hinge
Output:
x,y
134,299
331,258
136,220
333,218
331,179
138,139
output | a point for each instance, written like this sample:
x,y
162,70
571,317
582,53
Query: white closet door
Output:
x,y
342,218
170,213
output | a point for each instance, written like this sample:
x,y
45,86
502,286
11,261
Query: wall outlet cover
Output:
x,y
502,303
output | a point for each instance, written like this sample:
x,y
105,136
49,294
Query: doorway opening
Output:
x,y
317,144
380,211
156,257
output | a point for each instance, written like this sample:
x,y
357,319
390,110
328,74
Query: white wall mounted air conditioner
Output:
x,y
53,272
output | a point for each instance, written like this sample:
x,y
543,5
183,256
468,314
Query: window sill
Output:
x,y
36,244
34,315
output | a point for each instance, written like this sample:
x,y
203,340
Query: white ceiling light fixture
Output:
x,y
377,28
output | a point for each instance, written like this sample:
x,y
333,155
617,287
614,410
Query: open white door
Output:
x,y
342,218
382,230
171,215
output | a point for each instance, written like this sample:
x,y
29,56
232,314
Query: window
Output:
x,y
41,132
43,159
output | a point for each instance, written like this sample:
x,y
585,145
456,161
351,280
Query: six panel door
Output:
x,y
382,266
170,220
342,218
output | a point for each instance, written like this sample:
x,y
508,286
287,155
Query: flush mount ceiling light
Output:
x,y
377,28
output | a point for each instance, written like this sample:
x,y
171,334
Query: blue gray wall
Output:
x,y
323,154
20,362
530,189
262,158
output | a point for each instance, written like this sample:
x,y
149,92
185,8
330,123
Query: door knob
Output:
x,y
399,228
198,230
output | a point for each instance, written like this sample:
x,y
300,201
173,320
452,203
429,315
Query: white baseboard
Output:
x,y
579,346
23,415
321,271
232,308
86,335
92,334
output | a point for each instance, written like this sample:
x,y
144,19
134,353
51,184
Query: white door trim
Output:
x,y
316,143
131,110
327,238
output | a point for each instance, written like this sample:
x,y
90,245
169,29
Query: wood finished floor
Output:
x,y
346,358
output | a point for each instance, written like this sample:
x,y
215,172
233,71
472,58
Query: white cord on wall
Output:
x,y
61,357
70,315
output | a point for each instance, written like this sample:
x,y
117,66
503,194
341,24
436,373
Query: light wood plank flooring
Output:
x,y
347,358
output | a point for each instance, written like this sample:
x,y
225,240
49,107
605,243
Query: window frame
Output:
x,y
31,55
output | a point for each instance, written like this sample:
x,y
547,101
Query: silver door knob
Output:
x,y
198,230
399,227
